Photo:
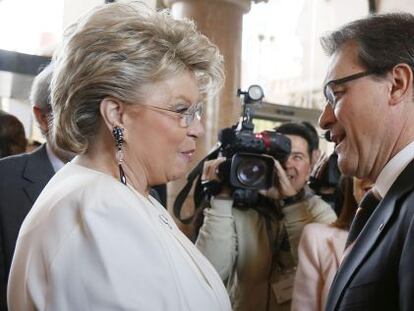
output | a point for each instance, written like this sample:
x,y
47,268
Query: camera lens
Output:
x,y
251,172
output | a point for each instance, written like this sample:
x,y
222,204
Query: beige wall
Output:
x,y
73,9
395,5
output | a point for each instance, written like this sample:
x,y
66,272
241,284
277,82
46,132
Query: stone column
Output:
x,y
221,21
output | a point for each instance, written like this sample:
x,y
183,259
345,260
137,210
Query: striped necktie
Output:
x,y
368,204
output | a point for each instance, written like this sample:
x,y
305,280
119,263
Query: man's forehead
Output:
x,y
343,62
297,140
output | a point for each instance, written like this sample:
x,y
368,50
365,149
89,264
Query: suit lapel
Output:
x,y
369,235
37,173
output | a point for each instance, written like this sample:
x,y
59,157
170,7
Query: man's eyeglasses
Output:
x,y
187,115
329,92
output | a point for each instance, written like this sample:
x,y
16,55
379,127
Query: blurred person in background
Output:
x,y
316,152
128,91
12,136
324,180
32,145
255,249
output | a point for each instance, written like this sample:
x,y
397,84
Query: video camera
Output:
x,y
249,165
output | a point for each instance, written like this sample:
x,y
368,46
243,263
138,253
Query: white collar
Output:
x,y
393,169
57,163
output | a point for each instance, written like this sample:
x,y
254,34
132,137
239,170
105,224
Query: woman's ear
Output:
x,y
402,81
111,110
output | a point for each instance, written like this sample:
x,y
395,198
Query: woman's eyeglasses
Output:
x,y
186,115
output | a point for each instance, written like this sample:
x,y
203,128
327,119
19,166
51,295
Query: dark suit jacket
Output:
x,y
22,178
378,272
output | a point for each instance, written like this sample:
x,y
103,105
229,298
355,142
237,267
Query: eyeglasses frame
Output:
x,y
344,80
188,116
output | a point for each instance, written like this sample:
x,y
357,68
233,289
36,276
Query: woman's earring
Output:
x,y
118,134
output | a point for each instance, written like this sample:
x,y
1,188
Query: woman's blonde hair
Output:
x,y
114,51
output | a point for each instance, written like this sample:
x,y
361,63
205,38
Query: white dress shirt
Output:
x,y
57,163
393,169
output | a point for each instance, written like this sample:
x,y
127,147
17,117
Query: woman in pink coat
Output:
x,y
321,249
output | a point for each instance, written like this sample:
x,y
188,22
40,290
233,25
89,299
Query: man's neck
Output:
x,y
56,162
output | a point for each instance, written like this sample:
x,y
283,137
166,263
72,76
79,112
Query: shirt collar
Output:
x,y
57,163
393,169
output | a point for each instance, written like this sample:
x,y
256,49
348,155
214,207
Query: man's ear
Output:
x,y
41,119
111,111
402,83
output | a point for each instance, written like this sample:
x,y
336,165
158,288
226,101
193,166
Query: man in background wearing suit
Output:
x,y
23,177
369,114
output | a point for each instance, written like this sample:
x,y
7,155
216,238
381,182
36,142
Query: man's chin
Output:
x,y
346,167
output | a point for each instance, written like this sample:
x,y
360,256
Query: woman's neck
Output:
x,y
100,159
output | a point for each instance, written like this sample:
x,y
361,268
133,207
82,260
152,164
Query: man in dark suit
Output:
x,y
23,177
369,114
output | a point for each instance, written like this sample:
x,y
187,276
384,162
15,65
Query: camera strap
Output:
x,y
294,198
182,195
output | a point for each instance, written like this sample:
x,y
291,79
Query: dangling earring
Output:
x,y
118,134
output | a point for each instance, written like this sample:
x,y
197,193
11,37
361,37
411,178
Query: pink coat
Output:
x,y
320,251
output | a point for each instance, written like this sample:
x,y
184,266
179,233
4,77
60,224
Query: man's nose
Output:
x,y
327,117
289,162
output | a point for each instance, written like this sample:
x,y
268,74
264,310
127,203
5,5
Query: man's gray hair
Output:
x,y
40,91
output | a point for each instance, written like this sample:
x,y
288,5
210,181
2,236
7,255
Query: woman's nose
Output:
x,y
196,128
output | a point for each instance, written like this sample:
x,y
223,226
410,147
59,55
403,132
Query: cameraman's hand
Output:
x,y
210,170
284,186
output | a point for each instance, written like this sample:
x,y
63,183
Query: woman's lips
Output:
x,y
188,155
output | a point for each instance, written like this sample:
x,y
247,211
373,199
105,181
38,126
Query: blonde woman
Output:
x,y
127,95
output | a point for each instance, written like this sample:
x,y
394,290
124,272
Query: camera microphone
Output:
x,y
328,136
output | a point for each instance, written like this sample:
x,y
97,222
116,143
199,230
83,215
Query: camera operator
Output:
x,y
255,249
